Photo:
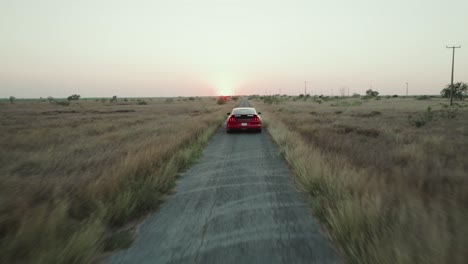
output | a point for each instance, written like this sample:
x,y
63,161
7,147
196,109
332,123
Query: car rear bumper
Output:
x,y
239,127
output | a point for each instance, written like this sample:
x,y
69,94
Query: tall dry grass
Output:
x,y
386,190
69,175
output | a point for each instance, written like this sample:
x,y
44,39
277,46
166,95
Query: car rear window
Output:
x,y
248,111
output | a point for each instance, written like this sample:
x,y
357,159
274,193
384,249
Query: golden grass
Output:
x,y
71,174
387,191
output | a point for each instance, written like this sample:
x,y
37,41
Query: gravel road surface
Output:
x,y
238,204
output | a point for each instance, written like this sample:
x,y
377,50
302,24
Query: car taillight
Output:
x,y
232,119
256,119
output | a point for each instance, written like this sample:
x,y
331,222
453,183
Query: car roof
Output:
x,y
240,108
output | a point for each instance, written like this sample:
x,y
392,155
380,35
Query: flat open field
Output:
x,y
70,174
388,178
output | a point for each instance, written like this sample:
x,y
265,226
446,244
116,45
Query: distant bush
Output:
x,y
12,99
169,100
191,98
318,100
421,119
73,97
326,98
372,93
235,98
222,100
395,96
141,102
51,100
125,100
114,99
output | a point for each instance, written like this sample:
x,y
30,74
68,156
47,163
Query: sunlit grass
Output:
x,y
72,174
386,190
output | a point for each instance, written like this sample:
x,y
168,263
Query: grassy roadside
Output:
x,y
82,171
384,197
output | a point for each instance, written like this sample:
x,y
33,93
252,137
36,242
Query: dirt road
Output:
x,y
238,204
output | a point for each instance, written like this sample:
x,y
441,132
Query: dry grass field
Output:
x,y
70,175
388,178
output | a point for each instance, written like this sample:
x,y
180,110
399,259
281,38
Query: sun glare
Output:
x,y
225,85
225,91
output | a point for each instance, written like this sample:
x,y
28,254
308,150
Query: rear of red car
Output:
x,y
244,119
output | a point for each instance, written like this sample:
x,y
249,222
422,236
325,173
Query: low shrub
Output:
x,y
222,100
421,119
450,112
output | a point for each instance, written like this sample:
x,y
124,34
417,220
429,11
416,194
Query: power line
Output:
x,y
453,64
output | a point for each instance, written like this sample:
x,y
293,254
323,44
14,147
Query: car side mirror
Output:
x,y
228,113
259,113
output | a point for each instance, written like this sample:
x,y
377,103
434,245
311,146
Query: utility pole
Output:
x,y
453,64
305,88
406,89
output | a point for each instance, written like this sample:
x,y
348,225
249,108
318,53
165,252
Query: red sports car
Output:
x,y
244,119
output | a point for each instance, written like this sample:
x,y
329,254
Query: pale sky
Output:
x,y
211,47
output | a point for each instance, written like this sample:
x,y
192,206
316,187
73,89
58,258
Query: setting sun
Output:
x,y
225,84
225,91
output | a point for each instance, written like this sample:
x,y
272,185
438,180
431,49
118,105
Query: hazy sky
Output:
x,y
209,47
